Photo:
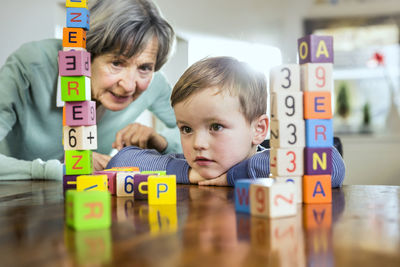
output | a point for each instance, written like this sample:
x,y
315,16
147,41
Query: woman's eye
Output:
x,y
146,68
116,63
216,127
185,129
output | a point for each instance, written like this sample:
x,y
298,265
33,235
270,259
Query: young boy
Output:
x,y
220,106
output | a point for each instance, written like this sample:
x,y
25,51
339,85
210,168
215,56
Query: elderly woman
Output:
x,y
129,42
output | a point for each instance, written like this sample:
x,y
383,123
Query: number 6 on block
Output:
x,y
287,162
125,184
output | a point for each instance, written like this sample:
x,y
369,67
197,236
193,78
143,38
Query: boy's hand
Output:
x,y
194,177
220,181
100,161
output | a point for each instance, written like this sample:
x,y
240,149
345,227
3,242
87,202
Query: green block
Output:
x,y
78,162
154,172
88,209
75,88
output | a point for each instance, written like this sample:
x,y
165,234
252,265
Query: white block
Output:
x,y
285,78
287,162
287,133
297,181
80,137
287,105
317,77
125,184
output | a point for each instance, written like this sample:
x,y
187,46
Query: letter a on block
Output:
x,y
317,189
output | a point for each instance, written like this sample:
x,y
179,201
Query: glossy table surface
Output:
x,y
360,228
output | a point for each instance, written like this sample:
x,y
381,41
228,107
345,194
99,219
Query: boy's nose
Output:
x,y
200,142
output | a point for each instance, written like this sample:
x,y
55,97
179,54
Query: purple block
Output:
x,y
112,180
140,189
74,63
80,113
315,49
69,182
317,160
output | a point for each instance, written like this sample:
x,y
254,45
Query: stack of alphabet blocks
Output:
x,y
84,210
301,135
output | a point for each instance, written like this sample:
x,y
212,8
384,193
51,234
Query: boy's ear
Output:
x,y
260,129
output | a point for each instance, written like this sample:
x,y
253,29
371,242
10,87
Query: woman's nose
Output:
x,y
128,81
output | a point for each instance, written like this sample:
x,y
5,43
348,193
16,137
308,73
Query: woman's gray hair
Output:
x,y
125,27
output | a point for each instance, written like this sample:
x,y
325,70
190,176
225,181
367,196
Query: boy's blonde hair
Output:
x,y
228,75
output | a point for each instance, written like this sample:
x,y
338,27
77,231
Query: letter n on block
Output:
x,y
319,133
75,88
318,160
242,195
78,17
317,189
78,162
315,49
162,190
88,210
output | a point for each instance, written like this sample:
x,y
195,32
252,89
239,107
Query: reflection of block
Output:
x,y
317,216
78,162
75,88
315,49
317,189
69,182
74,37
285,77
111,180
286,161
80,113
88,210
319,133
162,189
80,137
125,183
242,203
140,187
163,219
318,160
76,3
317,105
74,63
298,183
93,248
287,133
123,209
287,105
276,200
78,17
317,77
92,183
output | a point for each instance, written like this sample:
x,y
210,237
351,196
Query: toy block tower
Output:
x,y
316,60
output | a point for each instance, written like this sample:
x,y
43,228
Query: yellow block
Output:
x,y
76,3
162,190
163,218
92,183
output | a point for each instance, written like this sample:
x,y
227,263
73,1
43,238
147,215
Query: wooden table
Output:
x,y
360,228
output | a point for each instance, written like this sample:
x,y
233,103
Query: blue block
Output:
x,y
78,18
319,133
242,198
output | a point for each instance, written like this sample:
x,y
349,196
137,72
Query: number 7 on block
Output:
x,y
287,161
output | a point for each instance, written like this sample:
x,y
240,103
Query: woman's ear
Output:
x,y
260,129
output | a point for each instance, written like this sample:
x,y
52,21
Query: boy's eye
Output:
x,y
216,127
185,129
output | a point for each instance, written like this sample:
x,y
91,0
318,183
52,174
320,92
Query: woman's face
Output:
x,y
117,81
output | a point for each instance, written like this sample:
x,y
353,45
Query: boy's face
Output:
x,y
214,133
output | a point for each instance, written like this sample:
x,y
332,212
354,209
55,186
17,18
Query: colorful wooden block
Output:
x,y
317,189
298,183
125,182
80,113
285,77
242,196
93,248
140,187
80,137
287,162
317,77
319,133
163,219
125,169
74,37
317,105
74,63
88,209
78,17
92,182
276,200
74,49
287,133
154,172
64,119
287,105
69,182
315,49
318,160
162,190
111,180
75,88
317,216
76,3
78,162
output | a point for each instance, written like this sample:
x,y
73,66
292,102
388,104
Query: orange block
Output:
x,y
74,37
317,189
317,105
317,216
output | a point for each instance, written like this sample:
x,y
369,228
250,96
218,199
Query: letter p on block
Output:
x,y
162,190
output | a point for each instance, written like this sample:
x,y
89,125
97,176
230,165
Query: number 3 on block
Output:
x,y
289,162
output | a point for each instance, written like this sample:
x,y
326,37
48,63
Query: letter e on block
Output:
x,y
162,190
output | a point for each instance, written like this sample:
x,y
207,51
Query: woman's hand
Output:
x,y
100,161
139,135
196,178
